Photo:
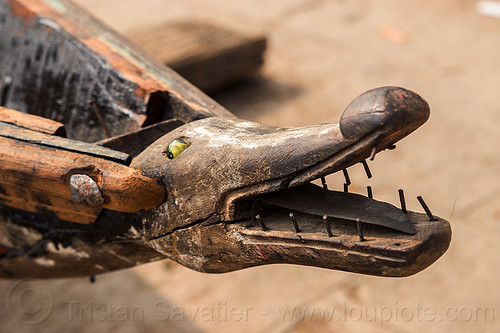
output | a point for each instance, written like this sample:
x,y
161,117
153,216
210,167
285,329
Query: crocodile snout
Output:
x,y
392,108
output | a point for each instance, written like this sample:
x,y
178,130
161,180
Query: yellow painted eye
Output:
x,y
176,147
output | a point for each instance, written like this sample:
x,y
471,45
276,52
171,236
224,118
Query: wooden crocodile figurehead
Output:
x,y
216,193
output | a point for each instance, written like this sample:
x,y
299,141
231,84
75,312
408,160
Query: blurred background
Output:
x,y
320,55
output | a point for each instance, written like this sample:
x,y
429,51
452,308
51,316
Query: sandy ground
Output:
x,y
321,55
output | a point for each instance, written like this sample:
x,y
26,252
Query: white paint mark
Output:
x,y
246,124
45,262
49,23
133,231
67,251
219,138
127,260
192,261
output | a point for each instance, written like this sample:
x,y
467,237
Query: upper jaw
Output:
x,y
230,159
372,122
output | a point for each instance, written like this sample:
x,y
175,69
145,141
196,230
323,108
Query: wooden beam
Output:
x,y
37,169
207,55
32,122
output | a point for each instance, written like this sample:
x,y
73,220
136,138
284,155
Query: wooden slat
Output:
x,y
32,122
84,75
208,56
63,144
35,201
35,178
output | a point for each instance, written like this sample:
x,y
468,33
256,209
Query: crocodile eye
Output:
x,y
176,147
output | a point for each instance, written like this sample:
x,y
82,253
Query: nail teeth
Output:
x,y
369,192
294,221
261,223
359,226
327,224
402,200
372,154
323,182
426,208
367,169
346,176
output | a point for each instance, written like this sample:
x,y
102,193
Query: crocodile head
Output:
x,y
239,193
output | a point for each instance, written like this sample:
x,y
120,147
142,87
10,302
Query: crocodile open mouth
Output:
x,y
333,206
296,195
325,227
311,225
309,208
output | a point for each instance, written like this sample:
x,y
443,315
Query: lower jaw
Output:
x,y
244,244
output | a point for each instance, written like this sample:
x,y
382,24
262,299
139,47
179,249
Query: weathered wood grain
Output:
x,y
58,62
35,176
32,122
63,144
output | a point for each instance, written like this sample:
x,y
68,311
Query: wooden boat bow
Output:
x,y
152,168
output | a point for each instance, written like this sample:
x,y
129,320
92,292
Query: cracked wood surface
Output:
x,y
36,167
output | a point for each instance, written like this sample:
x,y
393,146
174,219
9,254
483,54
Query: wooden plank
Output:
x,y
208,56
32,122
47,205
70,68
35,178
63,144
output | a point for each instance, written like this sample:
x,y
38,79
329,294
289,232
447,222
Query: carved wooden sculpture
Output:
x,y
171,174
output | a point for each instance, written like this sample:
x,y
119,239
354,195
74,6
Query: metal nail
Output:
x,y
369,191
359,226
402,200
367,169
7,85
294,221
323,182
327,224
261,223
372,154
346,176
391,147
426,208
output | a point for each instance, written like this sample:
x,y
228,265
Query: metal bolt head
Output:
x,y
85,190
